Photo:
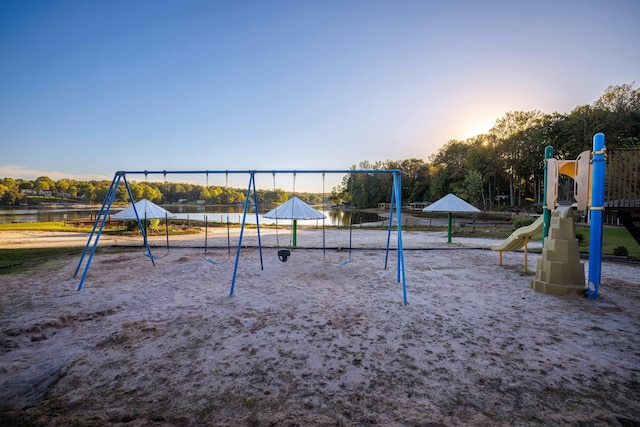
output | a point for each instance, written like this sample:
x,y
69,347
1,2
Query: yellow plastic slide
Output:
x,y
517,238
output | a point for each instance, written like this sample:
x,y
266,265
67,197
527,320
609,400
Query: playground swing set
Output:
x,y
251,196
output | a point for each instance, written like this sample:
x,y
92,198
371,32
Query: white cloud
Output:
x,y
23,172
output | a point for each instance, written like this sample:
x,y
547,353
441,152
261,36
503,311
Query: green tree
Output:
x,y
620,99
44,183
11,184
448,167
483,158
621,108
439,181
470,189
87,192
9,197
516,143
415,179
101,188
137,191
62,185
215,193
151,193
205,194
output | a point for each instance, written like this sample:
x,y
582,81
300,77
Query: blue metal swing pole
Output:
x,y
597,211
393,193
400,261
104,214
97,221
546,210
244,219
401,272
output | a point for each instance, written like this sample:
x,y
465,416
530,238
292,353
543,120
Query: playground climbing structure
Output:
x,y
560,271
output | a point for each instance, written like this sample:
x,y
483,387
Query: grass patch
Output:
x,y
17,260
14,259
486,233
112,229
54,226
612,238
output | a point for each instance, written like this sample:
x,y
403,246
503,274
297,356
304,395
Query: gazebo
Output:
x,y
294,209
146,210
450,204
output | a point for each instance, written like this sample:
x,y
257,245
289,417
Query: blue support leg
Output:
x,y
244,220
597,211
104,214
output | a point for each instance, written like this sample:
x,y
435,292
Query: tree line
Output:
x,y
15,191
503,166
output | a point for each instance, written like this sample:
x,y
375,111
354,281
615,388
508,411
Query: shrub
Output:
x,y
621,251
522,221
580,237
152,224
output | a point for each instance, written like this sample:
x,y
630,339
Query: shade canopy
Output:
x,y
450,203
146,210
294,208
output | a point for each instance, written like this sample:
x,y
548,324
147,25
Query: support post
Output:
x,y
526,252
397,177
295,233
449,216
597,211
104,212
244,220
546,212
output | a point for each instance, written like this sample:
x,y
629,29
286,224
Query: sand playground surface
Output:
x,y
311,343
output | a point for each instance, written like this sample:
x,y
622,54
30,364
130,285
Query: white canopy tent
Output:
x,y
294,209
146,210
450,203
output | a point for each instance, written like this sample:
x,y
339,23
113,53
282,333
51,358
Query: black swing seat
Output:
x,y
284,254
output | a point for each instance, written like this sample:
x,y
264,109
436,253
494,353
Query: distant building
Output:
x,y
418,206
28,192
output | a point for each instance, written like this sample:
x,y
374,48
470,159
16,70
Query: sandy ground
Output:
x,y
308,342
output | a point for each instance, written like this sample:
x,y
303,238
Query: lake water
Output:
x,y
214,213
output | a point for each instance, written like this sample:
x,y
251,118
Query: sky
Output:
x,y
88,88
